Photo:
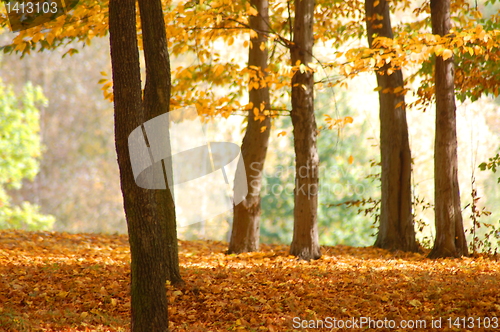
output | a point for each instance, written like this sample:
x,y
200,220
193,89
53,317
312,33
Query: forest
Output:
x,y
263,165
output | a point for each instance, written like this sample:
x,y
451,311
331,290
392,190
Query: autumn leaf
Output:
x,y
281,133
80,282
415,303
447,53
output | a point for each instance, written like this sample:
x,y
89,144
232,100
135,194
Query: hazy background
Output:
x,y
78,182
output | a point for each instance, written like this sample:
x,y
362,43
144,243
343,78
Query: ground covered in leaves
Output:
x,y
80,282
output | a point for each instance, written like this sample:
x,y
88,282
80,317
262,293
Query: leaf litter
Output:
x,y
80,282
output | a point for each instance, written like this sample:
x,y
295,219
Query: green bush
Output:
x,y
20,153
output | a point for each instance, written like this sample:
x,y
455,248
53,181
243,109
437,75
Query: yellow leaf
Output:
x,y
187,73
19,47
262,46
252,11
50,38
375,4
350,160
415,303
348,119
62,294
263,129
447,53
218,69
37,37
282,133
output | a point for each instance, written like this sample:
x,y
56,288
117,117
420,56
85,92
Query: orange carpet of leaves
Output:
x,y
80,282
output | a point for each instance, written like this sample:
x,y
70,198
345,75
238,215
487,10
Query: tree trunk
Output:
x,y
157,102
396,230
246,221
150,213
305,243
450,237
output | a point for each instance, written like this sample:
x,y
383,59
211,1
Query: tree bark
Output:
x,y
396,230
246,220
450,238
305,242
157,102
150,213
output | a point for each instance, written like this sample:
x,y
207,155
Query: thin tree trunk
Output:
x,y
396,230
149,213
246,221
305,243
450,237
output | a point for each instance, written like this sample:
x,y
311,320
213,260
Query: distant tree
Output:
x,y
396,230
305,242
450,238
150,213
20,153
341,181
246,221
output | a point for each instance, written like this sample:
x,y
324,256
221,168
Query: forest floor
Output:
x,y
80,282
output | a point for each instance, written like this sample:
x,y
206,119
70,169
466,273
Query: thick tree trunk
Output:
x,y
157,102
305,243
396,230
246,221
150,213
450,237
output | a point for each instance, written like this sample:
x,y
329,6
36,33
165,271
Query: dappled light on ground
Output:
x,y
80,282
